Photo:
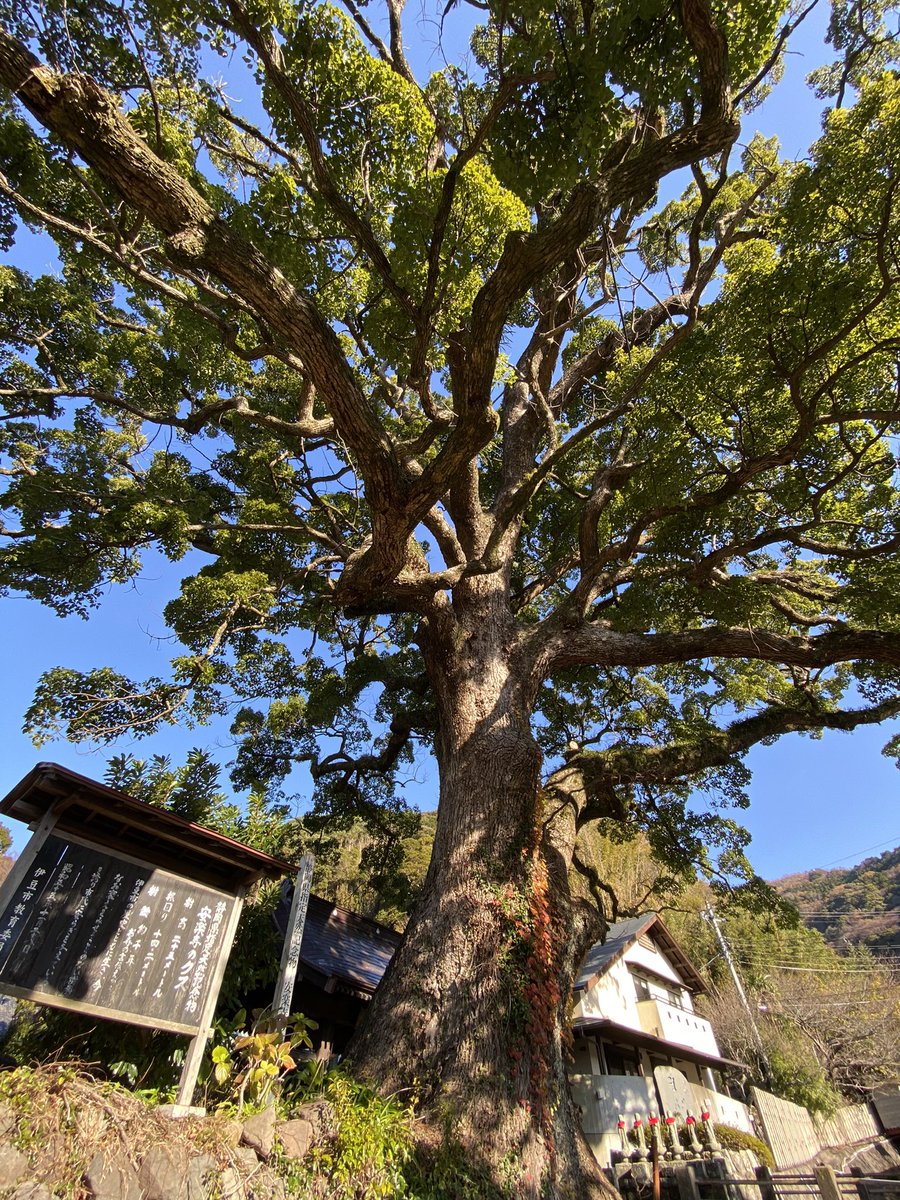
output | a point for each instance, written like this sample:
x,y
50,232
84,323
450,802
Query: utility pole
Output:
x,y
710,915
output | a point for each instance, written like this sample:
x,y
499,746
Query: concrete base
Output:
x,y
175,1111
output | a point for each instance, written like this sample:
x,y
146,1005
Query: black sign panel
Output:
x,y
86,929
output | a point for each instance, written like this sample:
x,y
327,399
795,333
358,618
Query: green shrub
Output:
x,y
447,1172
141,1058
365,1157
738,1139
802,1080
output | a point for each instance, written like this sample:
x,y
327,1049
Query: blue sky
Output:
x,y
814,803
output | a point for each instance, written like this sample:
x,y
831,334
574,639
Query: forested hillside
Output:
x,y
855,906
358,872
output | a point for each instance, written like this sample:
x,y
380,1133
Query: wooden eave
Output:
x,y
689,973
618,1034
113,819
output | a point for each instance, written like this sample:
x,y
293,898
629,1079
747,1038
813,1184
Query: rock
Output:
x,y
199,1167
13,1165
7,1012
8,1121
231,1186
245,1157
312,1124
320,1115
296,1136
32,1191
265,1185
53,1148
259,1132
163,1174
110,1179
231,1132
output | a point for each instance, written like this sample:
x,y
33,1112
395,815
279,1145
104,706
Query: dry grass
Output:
x,y
65,1117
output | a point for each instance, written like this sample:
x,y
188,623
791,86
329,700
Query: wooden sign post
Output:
x,y
290,954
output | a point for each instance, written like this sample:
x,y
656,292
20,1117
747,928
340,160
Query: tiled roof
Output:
x,y
341,945
619,935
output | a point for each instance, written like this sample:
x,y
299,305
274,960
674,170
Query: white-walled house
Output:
x,y
639,1046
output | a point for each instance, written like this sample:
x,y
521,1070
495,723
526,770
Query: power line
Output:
x,y
835,961
781,964
785,948
890,842
826,954
777,945
797,954
850,1005
848,912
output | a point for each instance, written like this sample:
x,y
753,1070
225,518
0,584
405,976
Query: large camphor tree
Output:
x,y
523,415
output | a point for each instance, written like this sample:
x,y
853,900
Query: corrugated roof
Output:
x,y
341,945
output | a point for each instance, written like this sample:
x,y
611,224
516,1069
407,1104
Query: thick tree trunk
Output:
x,y
474,1010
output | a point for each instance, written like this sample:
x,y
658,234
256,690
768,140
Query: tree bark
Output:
x,y
473,1012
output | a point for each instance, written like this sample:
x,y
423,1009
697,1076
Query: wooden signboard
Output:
x,y
94,931
119,909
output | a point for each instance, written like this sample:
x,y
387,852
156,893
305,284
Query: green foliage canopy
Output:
x,y
714,456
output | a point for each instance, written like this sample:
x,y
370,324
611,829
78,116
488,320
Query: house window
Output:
x,y
656,989
642,987
621,1060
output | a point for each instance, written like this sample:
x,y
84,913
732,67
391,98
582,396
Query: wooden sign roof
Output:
x,y
108,817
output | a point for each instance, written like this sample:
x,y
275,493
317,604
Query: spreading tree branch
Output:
x,y
628,766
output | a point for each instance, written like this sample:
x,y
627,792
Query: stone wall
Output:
x,y
202,1159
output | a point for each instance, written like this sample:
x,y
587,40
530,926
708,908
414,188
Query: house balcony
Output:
x,y
676,1025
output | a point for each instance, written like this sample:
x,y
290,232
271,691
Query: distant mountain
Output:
x,y
857,906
